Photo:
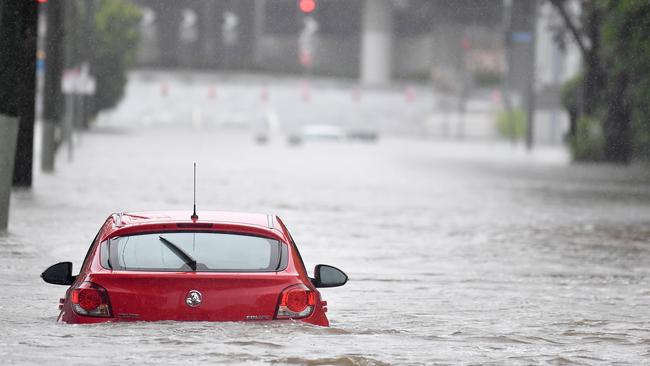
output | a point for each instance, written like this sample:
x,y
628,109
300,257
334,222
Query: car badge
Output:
x,y
193,299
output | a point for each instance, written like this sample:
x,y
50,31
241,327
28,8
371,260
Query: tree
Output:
x,y
626,47
585,31
117,32
109,47
18,80
614,38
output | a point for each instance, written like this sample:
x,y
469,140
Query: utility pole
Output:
x,y
52,97
505,81
70,61
89,56
529,99
521,68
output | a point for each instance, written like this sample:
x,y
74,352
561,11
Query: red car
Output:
x,y
151,266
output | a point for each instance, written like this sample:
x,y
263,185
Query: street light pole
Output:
x,y
52,82
530,87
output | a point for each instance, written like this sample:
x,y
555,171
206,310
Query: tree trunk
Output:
x,y
617,123
10,25
594,81
589,92
18,20
22,173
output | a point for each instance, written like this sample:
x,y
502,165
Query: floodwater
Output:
x,y
457,252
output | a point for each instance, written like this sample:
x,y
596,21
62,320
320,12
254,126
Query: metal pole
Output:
x,y
70,60
89,55
79,112
505,82
530,87
52,82
69,123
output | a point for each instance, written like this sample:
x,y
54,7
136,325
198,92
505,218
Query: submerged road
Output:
x,y
458,253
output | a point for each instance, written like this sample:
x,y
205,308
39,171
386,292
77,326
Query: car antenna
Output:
x,y
194,216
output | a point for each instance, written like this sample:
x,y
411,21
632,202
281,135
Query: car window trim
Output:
x,y
283,253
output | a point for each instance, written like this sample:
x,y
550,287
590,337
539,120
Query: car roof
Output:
x,y
129,223
125,219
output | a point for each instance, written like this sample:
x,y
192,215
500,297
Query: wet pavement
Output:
x,y
457,252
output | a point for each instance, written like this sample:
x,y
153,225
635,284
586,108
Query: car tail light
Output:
x,y
91,300
297,301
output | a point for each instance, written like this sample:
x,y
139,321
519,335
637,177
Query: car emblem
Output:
x,y
193,298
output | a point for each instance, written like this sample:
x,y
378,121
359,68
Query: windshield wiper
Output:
x,y
180,253
108,249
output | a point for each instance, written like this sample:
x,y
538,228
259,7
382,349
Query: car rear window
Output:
x,y
213,252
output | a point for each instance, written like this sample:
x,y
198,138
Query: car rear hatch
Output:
x,y
194,296
186,275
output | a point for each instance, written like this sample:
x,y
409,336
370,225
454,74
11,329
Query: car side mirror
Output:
x,y
59,274
328,276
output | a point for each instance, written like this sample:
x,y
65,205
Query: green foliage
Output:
x,y
570,95
626,49
512,124
117,37
487,77
641,121
588,144
616,82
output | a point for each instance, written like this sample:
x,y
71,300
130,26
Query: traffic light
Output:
x,y
307,6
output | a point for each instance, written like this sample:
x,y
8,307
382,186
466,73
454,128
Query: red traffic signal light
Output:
x,y
307,6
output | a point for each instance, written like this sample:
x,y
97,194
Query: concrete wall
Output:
x,y
332,55
272,28
413,55
8,138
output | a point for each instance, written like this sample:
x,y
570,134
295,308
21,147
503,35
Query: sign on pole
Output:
x,y
78,81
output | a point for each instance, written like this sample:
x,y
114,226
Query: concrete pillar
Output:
x,y
208,34
258,31
376,42
48,146
167,25
8,138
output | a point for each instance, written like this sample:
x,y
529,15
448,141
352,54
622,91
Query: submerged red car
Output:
x,y
151,266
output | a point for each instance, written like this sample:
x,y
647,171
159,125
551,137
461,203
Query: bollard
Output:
x,y
8,138
48,149
305,91
409,94
496,97
356,94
